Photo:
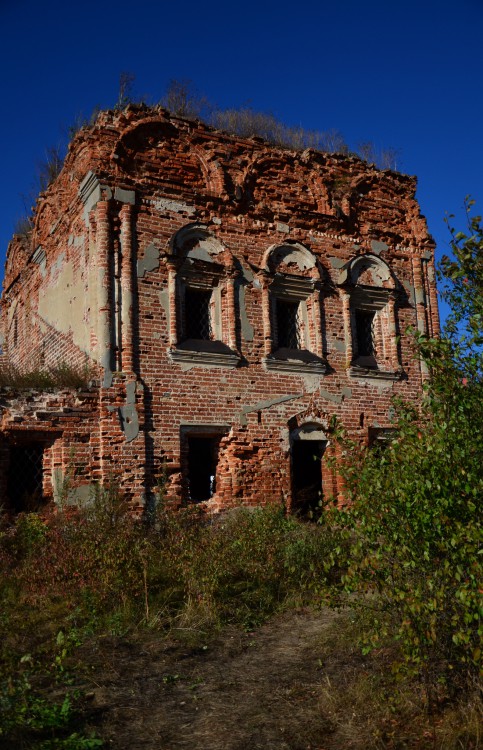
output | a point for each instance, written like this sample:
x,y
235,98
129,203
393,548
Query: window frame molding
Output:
x,y
379,298
199,261
293,288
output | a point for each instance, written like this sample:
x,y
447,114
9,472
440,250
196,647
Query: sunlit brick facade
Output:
x,y
231,299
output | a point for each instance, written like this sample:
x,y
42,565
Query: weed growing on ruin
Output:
x,y
29,719
101,562
58,376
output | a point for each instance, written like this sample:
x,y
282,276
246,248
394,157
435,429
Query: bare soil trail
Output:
x,y
292,684
238,691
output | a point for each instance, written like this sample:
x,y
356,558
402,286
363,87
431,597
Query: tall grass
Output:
x,y
103,564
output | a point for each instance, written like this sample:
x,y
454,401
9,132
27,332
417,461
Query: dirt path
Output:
x,y
238,691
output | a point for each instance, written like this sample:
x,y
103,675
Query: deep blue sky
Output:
x,y
406,74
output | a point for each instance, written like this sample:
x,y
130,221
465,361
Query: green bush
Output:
x,y
416,558
107,566
415,525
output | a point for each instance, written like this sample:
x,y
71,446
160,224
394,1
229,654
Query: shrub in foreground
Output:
x,y
415,523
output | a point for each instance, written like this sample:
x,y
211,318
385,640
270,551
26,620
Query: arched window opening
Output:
x,y
202,300
292,299
367,289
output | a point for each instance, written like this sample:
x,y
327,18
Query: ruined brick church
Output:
x,y
229,300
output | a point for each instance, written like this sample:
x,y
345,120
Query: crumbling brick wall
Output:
x,y
232,298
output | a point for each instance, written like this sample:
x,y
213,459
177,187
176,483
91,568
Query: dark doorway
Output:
x,y
25,477
307,476
202,461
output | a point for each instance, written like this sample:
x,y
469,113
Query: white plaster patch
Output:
x,y
62,305
311,382
163,204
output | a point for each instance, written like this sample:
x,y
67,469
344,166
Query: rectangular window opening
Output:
x,y
365,320
289,333
202,463
198,314
381,437
25,477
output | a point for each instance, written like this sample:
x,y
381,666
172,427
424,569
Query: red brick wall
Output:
x,y
72,294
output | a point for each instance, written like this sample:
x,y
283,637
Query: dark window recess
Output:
x,y
380,437
202,462
307,475
365,333
197,314
25,474
288,327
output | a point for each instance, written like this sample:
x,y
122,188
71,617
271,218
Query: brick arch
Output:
x,y
367,271
292,257
311,415
310,430
43,214
279,194
134,135
155,141
46,215
196,242
212,172
17,256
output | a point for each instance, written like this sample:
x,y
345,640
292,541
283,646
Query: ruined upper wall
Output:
x,y
169,166
157,154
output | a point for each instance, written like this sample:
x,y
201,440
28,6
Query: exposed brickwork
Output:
x,y
153,215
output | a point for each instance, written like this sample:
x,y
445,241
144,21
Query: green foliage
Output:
x,y
108,567
245,565
28,719
415,523
462,276
99,570
416,558
30,536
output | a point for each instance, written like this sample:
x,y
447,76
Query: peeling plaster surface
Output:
x,y
65,303
410,290
378,247
336,398
164,204
129,421
149,261
163,297
247,329
299,256
311,382
266,405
